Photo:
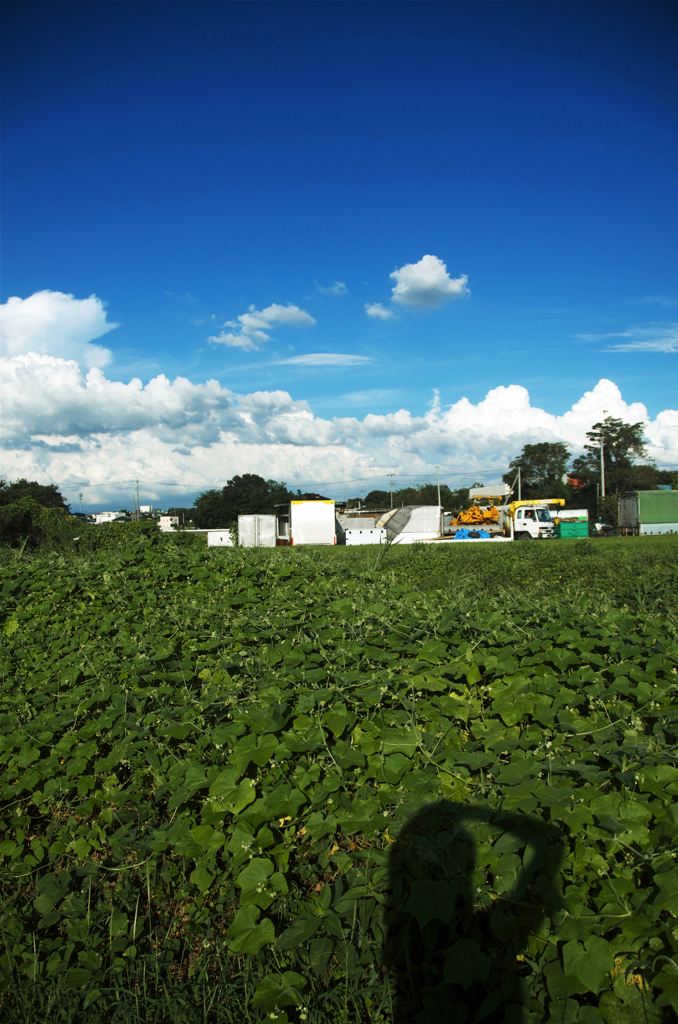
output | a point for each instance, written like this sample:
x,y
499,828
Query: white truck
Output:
x,y
518,520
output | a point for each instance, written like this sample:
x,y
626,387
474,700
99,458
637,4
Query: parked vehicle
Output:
x,y
648,512
522,520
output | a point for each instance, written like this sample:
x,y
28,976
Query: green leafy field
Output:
x,y
313,785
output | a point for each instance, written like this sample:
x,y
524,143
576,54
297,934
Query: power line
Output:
x,y
305,483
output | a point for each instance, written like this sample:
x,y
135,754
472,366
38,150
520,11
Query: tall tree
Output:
x,y
207,510
622,444
46,495
248,494
542,468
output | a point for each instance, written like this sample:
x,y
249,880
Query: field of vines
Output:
x,y
339,786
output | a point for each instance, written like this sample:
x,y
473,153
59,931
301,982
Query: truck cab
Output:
x,y
533,522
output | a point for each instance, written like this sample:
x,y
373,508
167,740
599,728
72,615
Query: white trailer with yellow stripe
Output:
x,y
308,522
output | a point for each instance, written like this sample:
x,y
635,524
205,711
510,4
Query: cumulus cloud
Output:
x,y
338,288
324,359
52,323
379,312
648,338
426,284
80,430
251,329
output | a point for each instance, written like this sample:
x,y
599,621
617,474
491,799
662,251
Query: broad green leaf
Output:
x,y
400,741
667,982
208,838
257,749
429,900
465,963
298,932
588,963
77,977
279,990
667,883
203,875
246,935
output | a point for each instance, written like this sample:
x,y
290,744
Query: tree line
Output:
x,y
547,470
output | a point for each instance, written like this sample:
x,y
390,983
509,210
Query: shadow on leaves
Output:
x,y
471,892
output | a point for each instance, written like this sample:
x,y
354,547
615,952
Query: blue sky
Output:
x,y
189,162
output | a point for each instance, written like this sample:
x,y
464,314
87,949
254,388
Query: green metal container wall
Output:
x,y
572,530
658,506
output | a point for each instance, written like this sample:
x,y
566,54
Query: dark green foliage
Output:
x,y
27,522
248,785
46,495
378,499
622,444
185,514
248,494
424,494
542,469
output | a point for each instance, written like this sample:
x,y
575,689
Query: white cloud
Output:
x,y
649,338
79,430
324,359
338,288
53,323
251,328
658,300
426,284
379,312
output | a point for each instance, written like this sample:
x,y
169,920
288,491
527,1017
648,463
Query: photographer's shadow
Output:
x,y
471,891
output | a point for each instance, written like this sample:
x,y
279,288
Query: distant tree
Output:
x,y
248,494
207,510
622,444
542,468
378,498
184,514
27,521
668,476
46,495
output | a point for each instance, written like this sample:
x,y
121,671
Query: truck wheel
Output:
x,y
524,536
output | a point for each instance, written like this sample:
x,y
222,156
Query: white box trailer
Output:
x,y
256,531
312,522
219,539
372,536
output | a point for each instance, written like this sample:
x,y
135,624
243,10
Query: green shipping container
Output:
x,y
658,506
572,530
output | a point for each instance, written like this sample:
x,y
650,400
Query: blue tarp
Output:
x,y
463,534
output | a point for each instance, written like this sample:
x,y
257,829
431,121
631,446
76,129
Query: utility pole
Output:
x,y
519,485
602,471
138,509
438,481
80,496
391,476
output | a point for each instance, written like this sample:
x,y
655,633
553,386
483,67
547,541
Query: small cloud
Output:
x,y
658,300
650,338
379,312
325,359
426,284
198,322
367,397
252,328
338,288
